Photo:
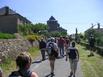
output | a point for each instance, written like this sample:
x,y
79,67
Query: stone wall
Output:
x,y
12,47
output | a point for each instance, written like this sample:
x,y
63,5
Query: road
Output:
x,y
62,68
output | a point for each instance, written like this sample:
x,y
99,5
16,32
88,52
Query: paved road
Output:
x,y
62,68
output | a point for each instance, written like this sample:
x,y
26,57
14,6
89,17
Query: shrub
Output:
x,y
32,38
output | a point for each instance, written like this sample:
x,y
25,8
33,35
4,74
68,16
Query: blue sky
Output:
x,y
70,14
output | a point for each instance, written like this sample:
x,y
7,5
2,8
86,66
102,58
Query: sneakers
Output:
x,y
70,74
73,75
52,74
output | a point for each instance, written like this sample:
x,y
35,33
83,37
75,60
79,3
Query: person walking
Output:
x,y
42,47
91,45
53,54
61,44
73,55
67,44
23,62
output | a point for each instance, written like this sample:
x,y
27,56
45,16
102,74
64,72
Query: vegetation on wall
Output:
x,y
32,38
6,36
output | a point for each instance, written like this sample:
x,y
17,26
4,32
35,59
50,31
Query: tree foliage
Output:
x,y
37,28
98,36
25,29
89,32
57,34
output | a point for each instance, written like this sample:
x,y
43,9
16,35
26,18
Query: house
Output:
x,y
99,29
9,20
53,25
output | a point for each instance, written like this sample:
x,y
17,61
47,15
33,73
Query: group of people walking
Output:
x,y
58,48
55,48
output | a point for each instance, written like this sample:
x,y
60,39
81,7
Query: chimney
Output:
x,y
98,24
6,10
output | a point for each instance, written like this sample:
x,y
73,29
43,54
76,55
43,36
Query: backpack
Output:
x,y
19,74
52,51
72,54
15,74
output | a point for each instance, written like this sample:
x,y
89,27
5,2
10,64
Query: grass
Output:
x,y
9,65
6,36
6,66
91,66
34,52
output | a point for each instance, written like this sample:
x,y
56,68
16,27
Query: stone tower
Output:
x,y
52,24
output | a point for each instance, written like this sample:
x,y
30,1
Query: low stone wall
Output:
x,y
12,47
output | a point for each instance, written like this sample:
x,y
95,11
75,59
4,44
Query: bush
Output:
x,y
6,36
32,38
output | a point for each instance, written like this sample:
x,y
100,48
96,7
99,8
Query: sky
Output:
x,y
71,14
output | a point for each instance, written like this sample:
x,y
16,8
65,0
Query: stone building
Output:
x,y
54,25
9,20
99,29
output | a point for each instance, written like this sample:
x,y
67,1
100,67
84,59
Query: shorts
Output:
x,y
73,64
52,57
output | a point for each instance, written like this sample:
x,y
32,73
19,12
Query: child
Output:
x,y
73,55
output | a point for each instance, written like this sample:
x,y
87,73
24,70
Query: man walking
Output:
x,y
91,45
42,46
61,44
53,54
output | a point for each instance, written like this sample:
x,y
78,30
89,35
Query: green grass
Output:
x,y
91,66
34,52
9,65
6,36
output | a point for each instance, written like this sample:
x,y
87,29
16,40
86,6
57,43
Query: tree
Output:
x,y
89,32
55,34
25,29
39,27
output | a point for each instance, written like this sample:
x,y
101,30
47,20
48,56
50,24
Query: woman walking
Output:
x,y
73,55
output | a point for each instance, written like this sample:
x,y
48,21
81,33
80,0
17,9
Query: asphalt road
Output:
x,y
62,68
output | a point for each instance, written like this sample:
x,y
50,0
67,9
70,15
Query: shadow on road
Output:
x,y
49,75
37,61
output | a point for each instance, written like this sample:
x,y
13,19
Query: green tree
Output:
x,y
97,34
37,28
25,29
63,33
55,34
99,38
89,32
